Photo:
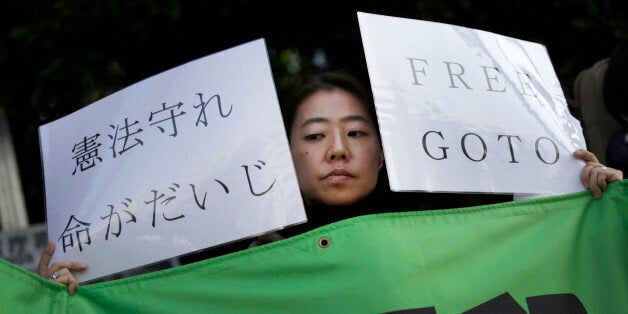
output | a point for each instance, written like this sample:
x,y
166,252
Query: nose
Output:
x,y
339,149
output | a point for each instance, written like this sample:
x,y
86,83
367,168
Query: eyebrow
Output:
x,y
325,120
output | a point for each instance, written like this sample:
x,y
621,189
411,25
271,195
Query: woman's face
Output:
x,y
335,148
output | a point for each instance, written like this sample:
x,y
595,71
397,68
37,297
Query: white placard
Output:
x,y
463,110
194,157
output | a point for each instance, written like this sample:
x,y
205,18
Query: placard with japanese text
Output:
x,y
188,159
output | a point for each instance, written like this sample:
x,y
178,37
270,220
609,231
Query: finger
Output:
x,y
595,189
585,155
597,180
62,272
613,175
46,255
66,278
585,175
601,179
69,266
594,182
72,286
69,280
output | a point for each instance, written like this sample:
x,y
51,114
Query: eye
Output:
x,y
313,137
356,133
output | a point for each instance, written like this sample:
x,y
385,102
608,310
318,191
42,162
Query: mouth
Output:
x,y
338,175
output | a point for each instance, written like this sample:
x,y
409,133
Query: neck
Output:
x,y
320,214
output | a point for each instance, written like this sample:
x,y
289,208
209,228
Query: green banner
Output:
x,y
562,254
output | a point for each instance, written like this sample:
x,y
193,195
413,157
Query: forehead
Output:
x,y
330,104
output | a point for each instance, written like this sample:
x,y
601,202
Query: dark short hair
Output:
x,y
313,82
616,83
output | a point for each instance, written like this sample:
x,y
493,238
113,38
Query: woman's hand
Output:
x,y
594,175
60,272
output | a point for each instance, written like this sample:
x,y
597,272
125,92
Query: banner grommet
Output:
x,y
324,242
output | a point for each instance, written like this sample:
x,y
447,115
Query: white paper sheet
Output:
x,y
463,110
191,158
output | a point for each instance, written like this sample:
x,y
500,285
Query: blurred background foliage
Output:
x,y
58,56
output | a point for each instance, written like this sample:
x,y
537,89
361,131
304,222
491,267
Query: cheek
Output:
x,y
371,154
302,162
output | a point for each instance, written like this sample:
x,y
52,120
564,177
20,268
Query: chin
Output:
x,y
341,200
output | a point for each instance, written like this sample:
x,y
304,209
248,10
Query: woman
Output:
x,y
336,149
334,141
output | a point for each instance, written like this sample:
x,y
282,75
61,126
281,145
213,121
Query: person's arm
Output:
x,y
60,272
594,175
